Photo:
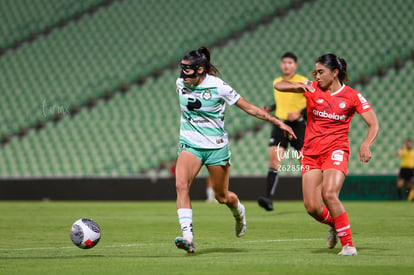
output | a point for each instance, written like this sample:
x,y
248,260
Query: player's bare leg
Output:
x,y
333,180
312,190
187,168
219,176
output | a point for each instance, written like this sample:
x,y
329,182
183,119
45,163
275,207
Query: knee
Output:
x,y
329,197
274,163
313,209
181,186
221,198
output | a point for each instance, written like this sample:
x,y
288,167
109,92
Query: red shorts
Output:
x,y
337,159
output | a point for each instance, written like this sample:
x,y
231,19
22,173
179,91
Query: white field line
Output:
x,y
282,240
145,244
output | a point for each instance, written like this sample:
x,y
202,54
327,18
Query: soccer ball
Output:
x,y
85,233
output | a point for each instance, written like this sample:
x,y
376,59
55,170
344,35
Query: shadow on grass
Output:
x,y
71,257
285,212
338,248
25,257
326,251
219,250
83,256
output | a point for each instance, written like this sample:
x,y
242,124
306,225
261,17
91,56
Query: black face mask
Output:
x,y
193,67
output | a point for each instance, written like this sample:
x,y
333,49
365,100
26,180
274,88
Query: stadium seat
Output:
x,y
138,130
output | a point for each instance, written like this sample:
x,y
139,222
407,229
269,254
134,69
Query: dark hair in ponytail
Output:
x,y
334,62
201,58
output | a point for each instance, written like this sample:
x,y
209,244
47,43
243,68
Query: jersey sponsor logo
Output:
x,y
319,101
199,120
324,114
338,156
193,103
342,105
220,140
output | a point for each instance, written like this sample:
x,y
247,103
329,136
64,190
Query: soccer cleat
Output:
x,y
265,203
331,238
348,251
182,243
240,225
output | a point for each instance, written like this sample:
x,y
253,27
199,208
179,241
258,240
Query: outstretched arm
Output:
x,y
293,87
255,111
371,120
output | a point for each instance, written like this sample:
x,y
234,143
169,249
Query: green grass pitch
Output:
x,y
138,238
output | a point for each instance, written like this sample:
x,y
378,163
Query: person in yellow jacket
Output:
x,y
290,108
406,175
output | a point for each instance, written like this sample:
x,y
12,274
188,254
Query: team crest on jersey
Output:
x,y
207,94
342,105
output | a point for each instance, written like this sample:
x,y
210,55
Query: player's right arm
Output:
x,y
293,87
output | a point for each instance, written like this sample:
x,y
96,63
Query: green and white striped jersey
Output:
x,y
202,112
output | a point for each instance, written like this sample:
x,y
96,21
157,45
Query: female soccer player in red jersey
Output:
x,y
330,107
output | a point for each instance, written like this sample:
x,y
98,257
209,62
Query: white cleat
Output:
x,y
331,238
348,251
240,225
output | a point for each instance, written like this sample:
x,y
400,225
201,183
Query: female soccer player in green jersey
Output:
x,y
203,140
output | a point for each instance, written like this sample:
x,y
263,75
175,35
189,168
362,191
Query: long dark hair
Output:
x,y
334,62
201,58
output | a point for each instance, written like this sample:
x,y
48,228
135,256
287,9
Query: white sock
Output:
x,y
210,193
185,217
237,211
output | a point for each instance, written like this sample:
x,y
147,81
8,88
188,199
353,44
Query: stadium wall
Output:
x,y
133,188
248,188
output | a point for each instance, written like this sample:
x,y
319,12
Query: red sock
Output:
x,y
343,229
325,217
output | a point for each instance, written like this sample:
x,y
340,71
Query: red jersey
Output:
x,y
329,116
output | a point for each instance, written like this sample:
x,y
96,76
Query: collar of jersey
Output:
x,y
197,88
340,90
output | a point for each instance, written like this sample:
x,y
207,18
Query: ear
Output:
x,y
200,70
335,73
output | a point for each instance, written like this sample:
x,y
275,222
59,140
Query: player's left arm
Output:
x,y
255,111
371,120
